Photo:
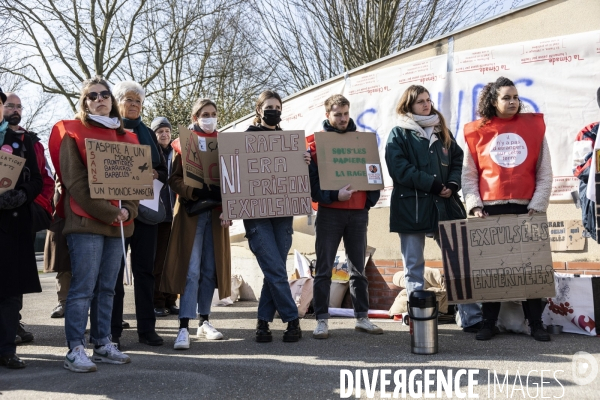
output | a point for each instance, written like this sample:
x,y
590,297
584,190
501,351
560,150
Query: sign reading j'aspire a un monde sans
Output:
x,y
502,257
119,171
10,169
350,158
263,174
200,158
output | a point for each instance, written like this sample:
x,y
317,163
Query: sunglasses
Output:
x,y
93,96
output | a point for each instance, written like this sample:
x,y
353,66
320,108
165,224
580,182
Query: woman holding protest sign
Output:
x,y
92,226
497,182
425,164
270,240
130,98
196,264
18,267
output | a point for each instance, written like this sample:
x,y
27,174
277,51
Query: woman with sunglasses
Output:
x,y
92,226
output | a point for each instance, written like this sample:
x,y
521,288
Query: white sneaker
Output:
x,y
365,325
209,331
322,330
109,353
77,360
183,340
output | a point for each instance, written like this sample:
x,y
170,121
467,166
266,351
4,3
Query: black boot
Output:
x,y
487,331
263,333
538,332
293,333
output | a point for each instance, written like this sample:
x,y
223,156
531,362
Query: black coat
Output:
x,y
18,268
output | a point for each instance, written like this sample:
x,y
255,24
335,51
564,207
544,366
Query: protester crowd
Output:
x,y
184,249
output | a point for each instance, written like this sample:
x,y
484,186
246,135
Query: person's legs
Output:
x,y
355,243
104,292
535,308
188,304
116,321
162,242
9,320
208,269
63,282
330,228
86,256
143,249
470,316
490,313
412,246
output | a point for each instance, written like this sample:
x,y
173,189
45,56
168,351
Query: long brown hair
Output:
x,y
409,97
83,112
264,96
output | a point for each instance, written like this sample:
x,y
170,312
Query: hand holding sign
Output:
x,y
344,194
10,169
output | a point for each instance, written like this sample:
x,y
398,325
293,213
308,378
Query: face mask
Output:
x,y
208,125
271,117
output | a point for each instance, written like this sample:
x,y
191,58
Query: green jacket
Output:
x,y
414,164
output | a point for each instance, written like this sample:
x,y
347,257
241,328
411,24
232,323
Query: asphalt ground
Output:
x,y
239,368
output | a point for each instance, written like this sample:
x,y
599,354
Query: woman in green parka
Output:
x,y
425,164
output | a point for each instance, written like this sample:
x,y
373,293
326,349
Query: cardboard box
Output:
x,y
119,171
10,169
199,155
263,174
498,258
350,158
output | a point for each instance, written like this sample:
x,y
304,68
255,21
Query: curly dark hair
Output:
x,y
489,96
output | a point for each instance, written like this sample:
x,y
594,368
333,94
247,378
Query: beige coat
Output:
x,y
182,240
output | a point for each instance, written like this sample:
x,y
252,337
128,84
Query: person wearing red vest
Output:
x,y
507,170
343,214
92,226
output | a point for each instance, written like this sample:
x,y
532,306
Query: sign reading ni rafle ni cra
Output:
x,y
263,174
348,158
119,171
10,169
199,158
498,258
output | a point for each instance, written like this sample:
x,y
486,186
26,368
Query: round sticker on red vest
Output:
x,y
508,150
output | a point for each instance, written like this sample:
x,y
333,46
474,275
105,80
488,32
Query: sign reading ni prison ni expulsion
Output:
x,y
498,258
263,174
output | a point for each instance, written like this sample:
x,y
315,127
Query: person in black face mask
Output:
x,y
270,240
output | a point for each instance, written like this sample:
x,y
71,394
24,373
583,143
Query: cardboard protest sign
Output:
x,y
566,235
119,171
351,158
10,169
263,174
199,154
498,258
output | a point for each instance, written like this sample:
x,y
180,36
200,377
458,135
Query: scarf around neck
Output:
x,y
144,136
423,125
109,122
329,128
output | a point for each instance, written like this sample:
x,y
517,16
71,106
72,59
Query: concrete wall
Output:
x,y
545,19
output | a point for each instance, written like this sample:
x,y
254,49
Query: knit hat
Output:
x,y
3,96
160,122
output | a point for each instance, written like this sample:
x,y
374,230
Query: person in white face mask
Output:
x,y
197,263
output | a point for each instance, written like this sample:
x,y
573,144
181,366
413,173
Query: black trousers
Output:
x,y
9,320
532,308
332,226
143,249
162,299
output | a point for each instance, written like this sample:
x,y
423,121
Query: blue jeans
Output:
x,y
95,263
270,240
201,277
470,314
412,246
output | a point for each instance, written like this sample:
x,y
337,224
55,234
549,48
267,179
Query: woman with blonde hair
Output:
x,y
197,263
425,164
92,226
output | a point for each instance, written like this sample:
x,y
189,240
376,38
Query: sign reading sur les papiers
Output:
x,y
119,171
501,257
263,174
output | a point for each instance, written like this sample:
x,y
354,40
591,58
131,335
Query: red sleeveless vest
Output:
x,y
76,130
358,200
506,153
